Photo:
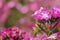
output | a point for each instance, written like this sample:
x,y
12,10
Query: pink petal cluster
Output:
x,y
12,33
42,14
56,12
45,14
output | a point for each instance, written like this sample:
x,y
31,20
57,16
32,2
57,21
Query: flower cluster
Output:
x,y
45,14
17,34
12,34
48,21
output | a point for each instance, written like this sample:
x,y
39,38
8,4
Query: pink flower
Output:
x,y
56,12
21,8
40,36
4,12
13,32
2,3
42,14
11,4
53,36
34,6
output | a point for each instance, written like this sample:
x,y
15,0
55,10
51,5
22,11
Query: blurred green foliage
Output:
x,y
13,18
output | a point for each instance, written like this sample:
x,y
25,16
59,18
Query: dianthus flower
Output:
x,y
42,14
56,12
12,34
